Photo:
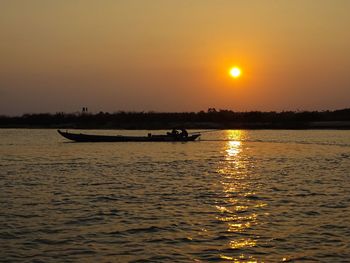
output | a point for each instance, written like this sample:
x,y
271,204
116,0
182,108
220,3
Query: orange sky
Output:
x,y
167,55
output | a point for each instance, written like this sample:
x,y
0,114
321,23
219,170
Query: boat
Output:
x,y
169,137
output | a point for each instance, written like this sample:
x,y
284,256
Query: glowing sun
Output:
x,y
235,72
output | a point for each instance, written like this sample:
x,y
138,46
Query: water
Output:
x,y
241,196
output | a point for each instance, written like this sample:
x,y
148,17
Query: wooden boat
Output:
x,y
80,137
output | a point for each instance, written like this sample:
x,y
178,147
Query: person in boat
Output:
x,y
184,133
174,132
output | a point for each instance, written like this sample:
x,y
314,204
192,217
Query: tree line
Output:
x,y
211,118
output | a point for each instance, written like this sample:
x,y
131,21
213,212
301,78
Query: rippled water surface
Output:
x,y
242,196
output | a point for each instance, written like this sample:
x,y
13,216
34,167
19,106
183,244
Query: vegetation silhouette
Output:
x,y
211,119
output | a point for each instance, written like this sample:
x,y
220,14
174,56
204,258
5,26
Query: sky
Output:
x,y
173,55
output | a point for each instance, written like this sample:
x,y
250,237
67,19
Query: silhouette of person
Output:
x,y
175,132
184,133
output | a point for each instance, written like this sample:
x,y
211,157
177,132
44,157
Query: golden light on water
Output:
x,y
234,148
241,259
235,135
239,227
250,218
242,243
238,210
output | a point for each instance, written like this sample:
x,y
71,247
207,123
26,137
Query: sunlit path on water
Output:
x,y
239,208
241,197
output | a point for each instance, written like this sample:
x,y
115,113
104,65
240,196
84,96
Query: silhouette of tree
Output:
x,y
164,120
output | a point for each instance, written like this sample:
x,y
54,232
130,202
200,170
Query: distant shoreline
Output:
x,y
212,119
248,126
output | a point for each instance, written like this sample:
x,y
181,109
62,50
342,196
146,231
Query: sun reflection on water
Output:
x,y
242,243
238,209
233,149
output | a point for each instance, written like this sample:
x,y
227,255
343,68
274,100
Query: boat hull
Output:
x,y
80,137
